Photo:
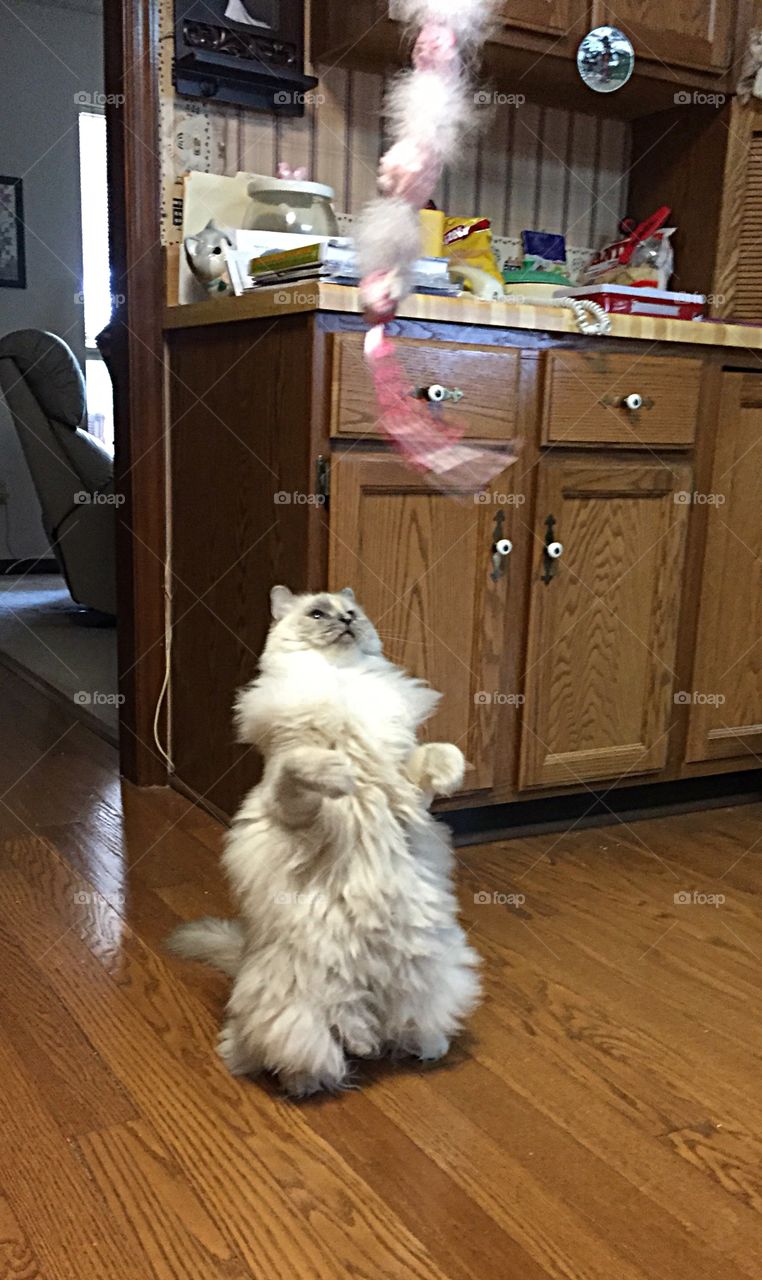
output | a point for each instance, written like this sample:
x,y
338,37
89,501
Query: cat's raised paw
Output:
x,y
324,771
437,767
338,778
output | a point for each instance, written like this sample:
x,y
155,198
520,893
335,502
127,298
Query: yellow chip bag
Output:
x,y
469,240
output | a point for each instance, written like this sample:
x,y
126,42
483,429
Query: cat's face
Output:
x,y
333,624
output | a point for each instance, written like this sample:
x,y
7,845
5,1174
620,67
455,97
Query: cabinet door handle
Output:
x,y
501,547
552,551
435,393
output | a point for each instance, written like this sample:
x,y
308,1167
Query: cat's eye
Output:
x,y
317,613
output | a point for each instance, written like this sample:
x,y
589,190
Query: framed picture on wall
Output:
x,y
12,262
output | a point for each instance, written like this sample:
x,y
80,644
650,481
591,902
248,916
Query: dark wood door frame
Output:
x,y
131,36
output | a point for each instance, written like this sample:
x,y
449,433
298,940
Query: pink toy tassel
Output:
x,y
433,448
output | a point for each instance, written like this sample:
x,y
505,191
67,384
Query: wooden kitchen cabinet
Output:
x,y
602,632
688,33
421,562
725,697
681,48
603,677
558,16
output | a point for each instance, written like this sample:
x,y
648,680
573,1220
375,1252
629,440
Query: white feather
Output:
x,y
430,107
471,20
387,238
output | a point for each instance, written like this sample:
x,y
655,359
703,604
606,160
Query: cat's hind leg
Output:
x,y
273,1026
431,1004
240,1057
306,1058
304,1053
356,1025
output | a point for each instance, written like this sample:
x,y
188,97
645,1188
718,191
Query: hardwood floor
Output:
x,y
602,1120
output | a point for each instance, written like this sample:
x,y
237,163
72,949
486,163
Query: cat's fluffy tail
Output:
x,y
217,942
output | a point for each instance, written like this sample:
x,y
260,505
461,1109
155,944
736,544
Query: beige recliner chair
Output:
x,y
72,471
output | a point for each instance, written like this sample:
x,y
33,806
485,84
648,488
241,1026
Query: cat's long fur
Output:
x,y
348,942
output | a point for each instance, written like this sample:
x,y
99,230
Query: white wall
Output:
x,y
49,52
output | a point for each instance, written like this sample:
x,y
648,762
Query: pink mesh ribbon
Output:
x,y
427,444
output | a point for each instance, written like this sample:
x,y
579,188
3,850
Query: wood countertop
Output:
x,y
314,295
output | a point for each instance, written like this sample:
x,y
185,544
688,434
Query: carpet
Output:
x,y
38,636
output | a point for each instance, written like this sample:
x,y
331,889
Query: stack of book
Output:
x,y
327,259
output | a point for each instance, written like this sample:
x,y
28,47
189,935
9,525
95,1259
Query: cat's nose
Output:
x,y
347,617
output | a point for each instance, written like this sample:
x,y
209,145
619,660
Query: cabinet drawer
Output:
x,y
586,396
487,376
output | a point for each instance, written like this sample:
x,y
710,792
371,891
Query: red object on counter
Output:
x,y
632,300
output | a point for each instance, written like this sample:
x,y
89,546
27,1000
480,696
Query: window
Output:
x,y
96,276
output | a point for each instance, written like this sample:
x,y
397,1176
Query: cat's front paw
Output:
x,y
338,779
437,768
325,771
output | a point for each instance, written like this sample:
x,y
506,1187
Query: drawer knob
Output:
x,y
436,393
633,402
504,547
555,549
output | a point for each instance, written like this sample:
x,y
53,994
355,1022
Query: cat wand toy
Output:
x,y
430,107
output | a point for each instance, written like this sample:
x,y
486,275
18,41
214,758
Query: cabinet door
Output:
x,y
602,631
420,562
546,15
726,697
684,33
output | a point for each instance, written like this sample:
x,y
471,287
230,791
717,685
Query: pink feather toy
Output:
x,y
430,107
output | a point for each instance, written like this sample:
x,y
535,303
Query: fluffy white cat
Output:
x,y
348,942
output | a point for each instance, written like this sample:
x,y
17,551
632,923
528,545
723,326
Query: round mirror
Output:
x,y
605,59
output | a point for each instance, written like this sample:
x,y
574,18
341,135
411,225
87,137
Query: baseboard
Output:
x,y
589,809
41,565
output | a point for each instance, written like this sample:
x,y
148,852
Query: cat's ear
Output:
x,y
348,592
280,602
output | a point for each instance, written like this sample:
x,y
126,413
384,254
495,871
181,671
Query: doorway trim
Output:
x,y
131,65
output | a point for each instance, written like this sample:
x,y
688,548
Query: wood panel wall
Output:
x,y
533,166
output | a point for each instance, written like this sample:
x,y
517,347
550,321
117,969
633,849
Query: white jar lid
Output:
x,y
261,183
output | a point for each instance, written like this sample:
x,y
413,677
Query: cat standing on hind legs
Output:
x,y
347,942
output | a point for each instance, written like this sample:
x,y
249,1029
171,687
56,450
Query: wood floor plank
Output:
x,y
527,1174
465,1240
628,933
600,1120
624,1037
17,1258
517,1197
731,1158
59,1210
80,1092
218,1129
548,1083
154,1206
